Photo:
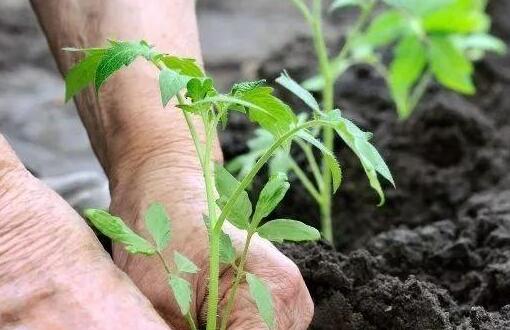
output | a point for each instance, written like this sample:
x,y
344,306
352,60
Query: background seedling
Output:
x,y
203,101
433,39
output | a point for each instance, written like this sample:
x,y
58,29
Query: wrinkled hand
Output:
x,y
53,272
152,175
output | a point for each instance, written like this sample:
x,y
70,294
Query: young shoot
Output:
x,y
430,40
182,81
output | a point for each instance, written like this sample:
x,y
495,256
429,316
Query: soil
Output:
x,y
437,254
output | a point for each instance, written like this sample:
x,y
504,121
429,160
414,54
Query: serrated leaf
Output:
x,y
184,66
270,196
288,230
263,299
269,112
157,222
118,55
83,73
114,228
198,89
329,157
240,88
184,264
408,64
182,292
226,184
171,83
358,141
286,81
449,65
227,250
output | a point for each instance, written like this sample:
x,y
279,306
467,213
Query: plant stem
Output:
x,y
304,10
312,162
419,90
239,276
305,181
245,182
327,104
214,242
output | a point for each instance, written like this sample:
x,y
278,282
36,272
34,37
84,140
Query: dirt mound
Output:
x,y
448,274
437,254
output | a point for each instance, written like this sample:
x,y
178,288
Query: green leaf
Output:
x,y
184,264
288,230
329,157
83,73
116,229
262,296
227,250
198,89
480,41
286,81
182,293
450,66
337,4
171,83
270,196
408,63
118,55
358,142
384,29
269,111
226,184
158,224
461,16
240,88
418,7
184,66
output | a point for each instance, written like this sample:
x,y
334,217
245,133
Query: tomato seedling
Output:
x,y
182,81
430,38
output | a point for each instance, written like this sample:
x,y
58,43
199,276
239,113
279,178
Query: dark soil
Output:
x,y
437,254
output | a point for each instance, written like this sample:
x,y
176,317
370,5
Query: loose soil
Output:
x,y
437,254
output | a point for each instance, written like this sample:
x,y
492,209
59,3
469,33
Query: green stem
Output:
x,y
328,103
306,182
363,18
239,276
419,90
314,166
214,242
304,10
245,182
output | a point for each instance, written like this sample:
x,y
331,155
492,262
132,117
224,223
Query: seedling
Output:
x,y
181,79
430,38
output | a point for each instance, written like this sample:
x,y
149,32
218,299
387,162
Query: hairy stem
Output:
x,y
239,276
214,238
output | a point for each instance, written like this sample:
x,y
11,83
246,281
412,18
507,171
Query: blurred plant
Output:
x,y
204,102
432,39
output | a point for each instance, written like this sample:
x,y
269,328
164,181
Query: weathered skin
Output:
x,y
53,273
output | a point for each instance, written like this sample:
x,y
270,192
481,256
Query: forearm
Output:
x,y
127,119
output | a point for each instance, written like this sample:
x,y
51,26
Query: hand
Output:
x,y
53,272
161,170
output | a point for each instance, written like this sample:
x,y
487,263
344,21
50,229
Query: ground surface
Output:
x,y
436,256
